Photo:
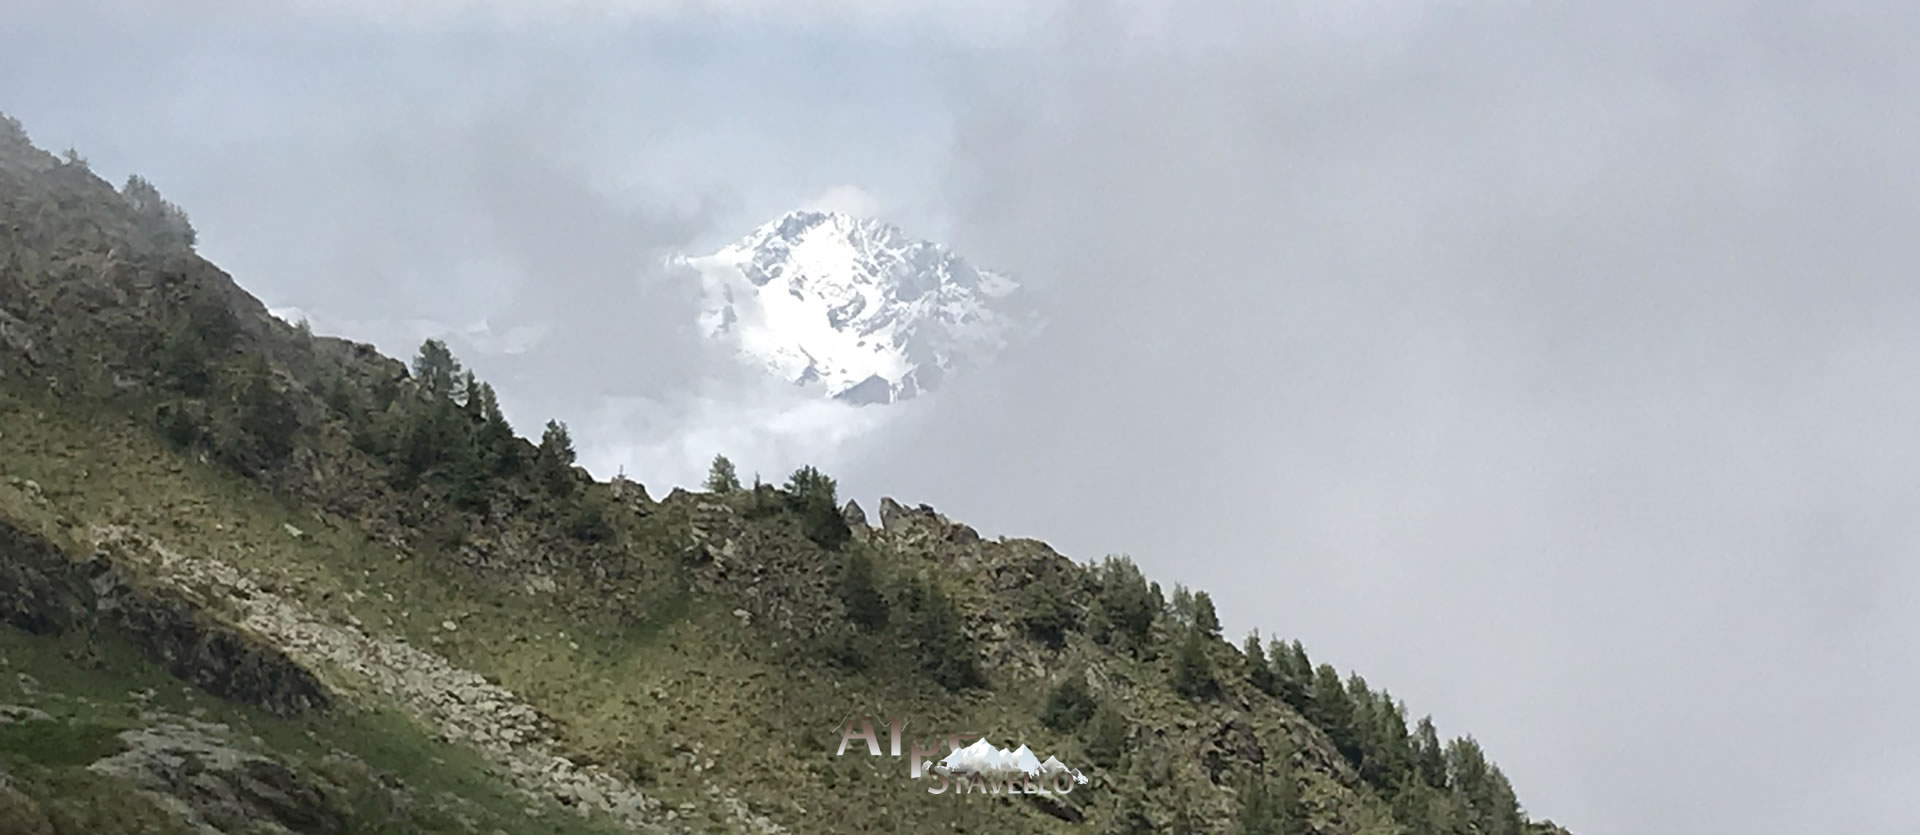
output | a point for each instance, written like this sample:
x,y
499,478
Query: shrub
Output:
x,y
178,427
1069,704
939,638
811,495
866,607
267,417
157,222
186,362
590,523
1106,736
1047,614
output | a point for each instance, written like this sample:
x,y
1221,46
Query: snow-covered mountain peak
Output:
x,y
855,306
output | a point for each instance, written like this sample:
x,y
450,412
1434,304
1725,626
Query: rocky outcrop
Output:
x,y
928,532
633,494
40,589
855,517
43,590
1231,741
457,704
197,772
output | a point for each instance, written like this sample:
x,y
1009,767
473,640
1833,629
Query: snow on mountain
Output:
x,y
855,307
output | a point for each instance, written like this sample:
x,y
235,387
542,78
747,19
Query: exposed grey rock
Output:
x,y
11,714
633,493
459,705
891,513
43,591
856,517
219,787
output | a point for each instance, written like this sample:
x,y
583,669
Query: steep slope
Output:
x,y
855,307
350,595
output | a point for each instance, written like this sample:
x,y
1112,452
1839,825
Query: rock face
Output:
x,y
633,493
856,518
44,591
924,528
1232,740
41,591
460,705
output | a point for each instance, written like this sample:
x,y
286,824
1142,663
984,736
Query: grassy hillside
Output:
x,y
349,595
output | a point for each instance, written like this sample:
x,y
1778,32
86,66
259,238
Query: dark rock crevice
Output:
x,y
45,592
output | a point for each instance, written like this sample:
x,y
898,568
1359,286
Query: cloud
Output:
x,y
845,199
971,20
1546,363
765,427
1541,362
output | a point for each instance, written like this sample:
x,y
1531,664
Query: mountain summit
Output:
x,y
855,307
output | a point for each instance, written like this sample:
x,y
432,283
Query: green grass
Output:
x,y
749,705
60,744
92,703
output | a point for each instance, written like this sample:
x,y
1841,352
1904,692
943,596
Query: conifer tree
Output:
x,y
13,133
1424,810
157,222
1492,808
866,607
1289,684
435,439
1180,606
1392,745
1332,711
436,368
1259,667
500,449
1192,671
1204,617
1046,613
553,461
811,494
470,397
1126,605
939,637
721,477
1296,676
1429,756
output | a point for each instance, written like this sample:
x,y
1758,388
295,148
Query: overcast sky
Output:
x,y
1553,365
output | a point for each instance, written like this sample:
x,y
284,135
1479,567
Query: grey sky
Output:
x,y
1549,364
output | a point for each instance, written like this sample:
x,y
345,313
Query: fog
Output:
x,y
1549,364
